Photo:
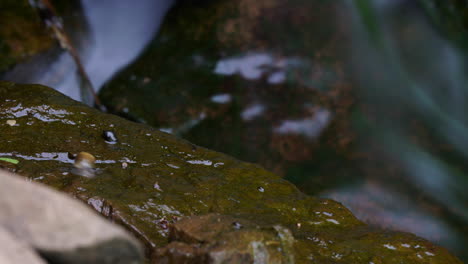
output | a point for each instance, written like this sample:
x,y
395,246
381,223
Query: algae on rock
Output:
x,y
148,180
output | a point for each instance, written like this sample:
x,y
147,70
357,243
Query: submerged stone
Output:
x,y
167,179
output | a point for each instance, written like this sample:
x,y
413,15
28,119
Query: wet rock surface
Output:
x,y
215,238
148,180
60,229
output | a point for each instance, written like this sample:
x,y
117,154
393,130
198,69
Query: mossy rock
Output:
x,y
24,36
148,180
184,82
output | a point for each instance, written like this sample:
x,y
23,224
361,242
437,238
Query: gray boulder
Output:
x,y
61,229
14,251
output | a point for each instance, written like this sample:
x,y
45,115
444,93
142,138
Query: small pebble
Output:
x,y
84,160
157,187
109,137
11,122
237,225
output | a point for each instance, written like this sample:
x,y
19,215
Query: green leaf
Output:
x,y
10,160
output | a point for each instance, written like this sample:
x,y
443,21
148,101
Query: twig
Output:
x,y
49,16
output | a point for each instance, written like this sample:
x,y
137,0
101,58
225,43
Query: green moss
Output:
x,y
149,179
22,35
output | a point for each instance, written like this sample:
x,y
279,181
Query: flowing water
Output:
x,y
116,32
412,86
